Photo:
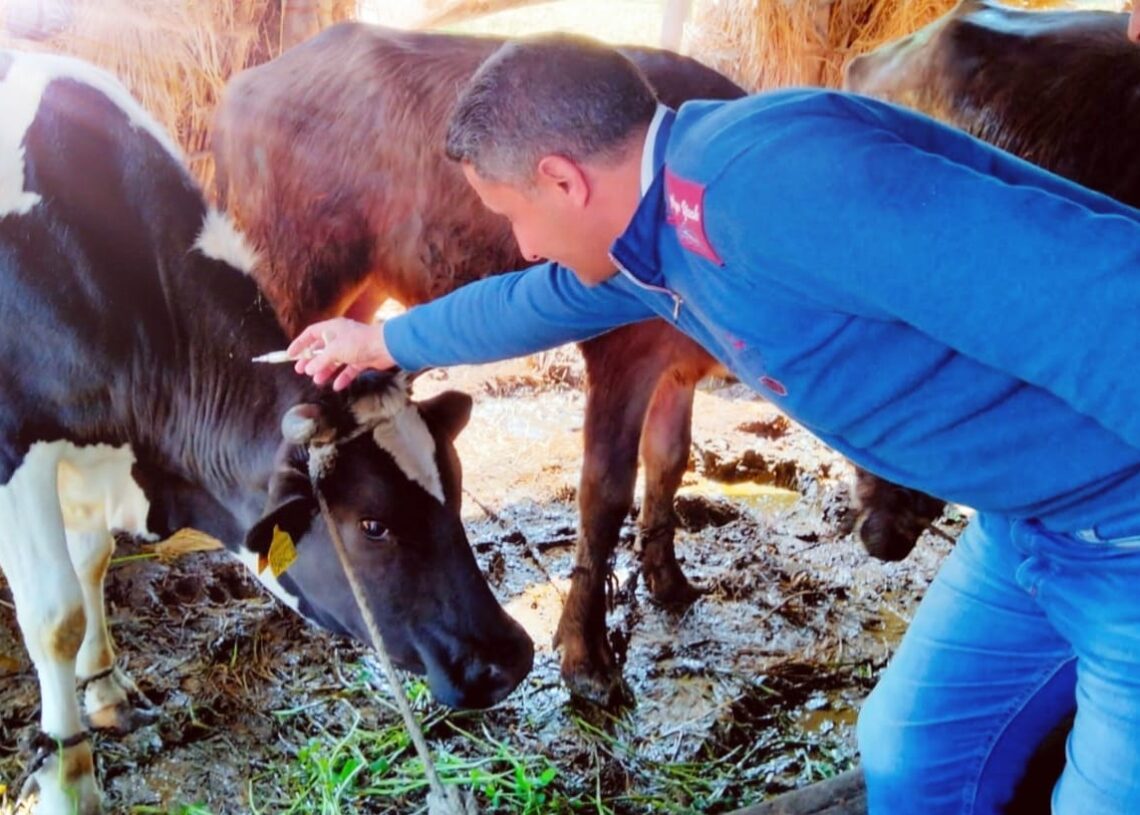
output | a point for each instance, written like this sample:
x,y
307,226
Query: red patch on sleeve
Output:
x,y
685,211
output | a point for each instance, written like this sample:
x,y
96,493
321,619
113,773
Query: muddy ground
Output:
x,y
751,691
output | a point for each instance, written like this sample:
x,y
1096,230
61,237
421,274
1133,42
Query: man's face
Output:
x,y
550,221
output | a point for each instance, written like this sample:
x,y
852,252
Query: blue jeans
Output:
x,y
1020,625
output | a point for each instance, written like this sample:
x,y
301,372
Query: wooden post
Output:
x,y
300,19
844,794
673,18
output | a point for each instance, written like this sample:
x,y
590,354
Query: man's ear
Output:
x,y
565,175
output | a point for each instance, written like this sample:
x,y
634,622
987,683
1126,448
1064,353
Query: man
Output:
x,y
946,315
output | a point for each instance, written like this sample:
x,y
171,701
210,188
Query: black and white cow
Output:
x,y
130,400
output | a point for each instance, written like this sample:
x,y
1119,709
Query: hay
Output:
x,y
765,44
184,542
175,56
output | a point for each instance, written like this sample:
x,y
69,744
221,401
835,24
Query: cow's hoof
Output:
x,y
601,689
668,585
120,719
619,700
114,703
590,674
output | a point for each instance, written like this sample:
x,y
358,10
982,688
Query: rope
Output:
x,y
44,747
441,800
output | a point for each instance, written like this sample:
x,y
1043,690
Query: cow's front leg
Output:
x,y
665,442
621,376
49,609
107,690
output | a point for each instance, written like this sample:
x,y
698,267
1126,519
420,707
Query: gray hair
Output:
x,y
554,94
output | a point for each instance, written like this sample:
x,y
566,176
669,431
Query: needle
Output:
x,y
283,356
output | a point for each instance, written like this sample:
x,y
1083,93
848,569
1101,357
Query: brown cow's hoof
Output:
x,y
668,585
594,679
590,673
607,691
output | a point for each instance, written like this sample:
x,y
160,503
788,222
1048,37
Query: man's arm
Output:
x,y
1029,274
496,318
509,315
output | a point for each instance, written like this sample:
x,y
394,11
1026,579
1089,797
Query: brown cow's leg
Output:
x,y
622,370
665,443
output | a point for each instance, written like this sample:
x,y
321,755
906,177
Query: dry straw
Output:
x,y
766,44
175,56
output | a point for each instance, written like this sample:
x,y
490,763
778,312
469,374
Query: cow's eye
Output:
x,y
372,529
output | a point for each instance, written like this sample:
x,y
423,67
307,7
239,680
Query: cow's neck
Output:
x,y
224,432
218,423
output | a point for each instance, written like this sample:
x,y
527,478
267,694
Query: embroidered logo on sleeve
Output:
x,y
685,210
774,385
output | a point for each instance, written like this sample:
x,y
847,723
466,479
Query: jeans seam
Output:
x,y
970,796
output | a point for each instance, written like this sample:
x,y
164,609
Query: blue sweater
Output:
x,y
947,315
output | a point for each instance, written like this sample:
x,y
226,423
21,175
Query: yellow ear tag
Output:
x,y
282,552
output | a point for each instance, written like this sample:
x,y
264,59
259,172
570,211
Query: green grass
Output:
x,y
357,758
358,766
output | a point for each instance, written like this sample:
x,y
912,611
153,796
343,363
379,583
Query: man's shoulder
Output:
x,y
708,136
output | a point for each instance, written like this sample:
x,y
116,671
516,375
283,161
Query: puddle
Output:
x,y
826,712
763,498
891,624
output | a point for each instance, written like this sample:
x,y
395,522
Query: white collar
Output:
x,y
647,164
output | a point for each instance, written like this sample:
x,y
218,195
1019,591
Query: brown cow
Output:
x,y
331,159
1056,88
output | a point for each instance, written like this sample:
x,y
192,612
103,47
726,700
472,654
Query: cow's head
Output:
x,y
387,469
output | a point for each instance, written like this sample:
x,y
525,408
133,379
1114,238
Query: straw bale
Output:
x,y
174,55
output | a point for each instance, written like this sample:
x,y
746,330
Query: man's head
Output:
x,y
549,131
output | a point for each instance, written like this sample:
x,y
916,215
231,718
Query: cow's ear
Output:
x,y
447,413
307,423
288,512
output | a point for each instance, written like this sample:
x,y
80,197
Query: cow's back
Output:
x,y
1060,89
80,223
331,159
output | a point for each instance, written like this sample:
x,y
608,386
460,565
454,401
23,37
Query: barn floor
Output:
x,y
749,692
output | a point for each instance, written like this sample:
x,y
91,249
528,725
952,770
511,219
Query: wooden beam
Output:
x,y
440,13
844,794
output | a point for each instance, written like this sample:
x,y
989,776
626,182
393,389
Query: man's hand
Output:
x,y
341,348
1134,22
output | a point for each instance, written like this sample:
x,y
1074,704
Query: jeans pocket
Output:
x,y
1095,535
